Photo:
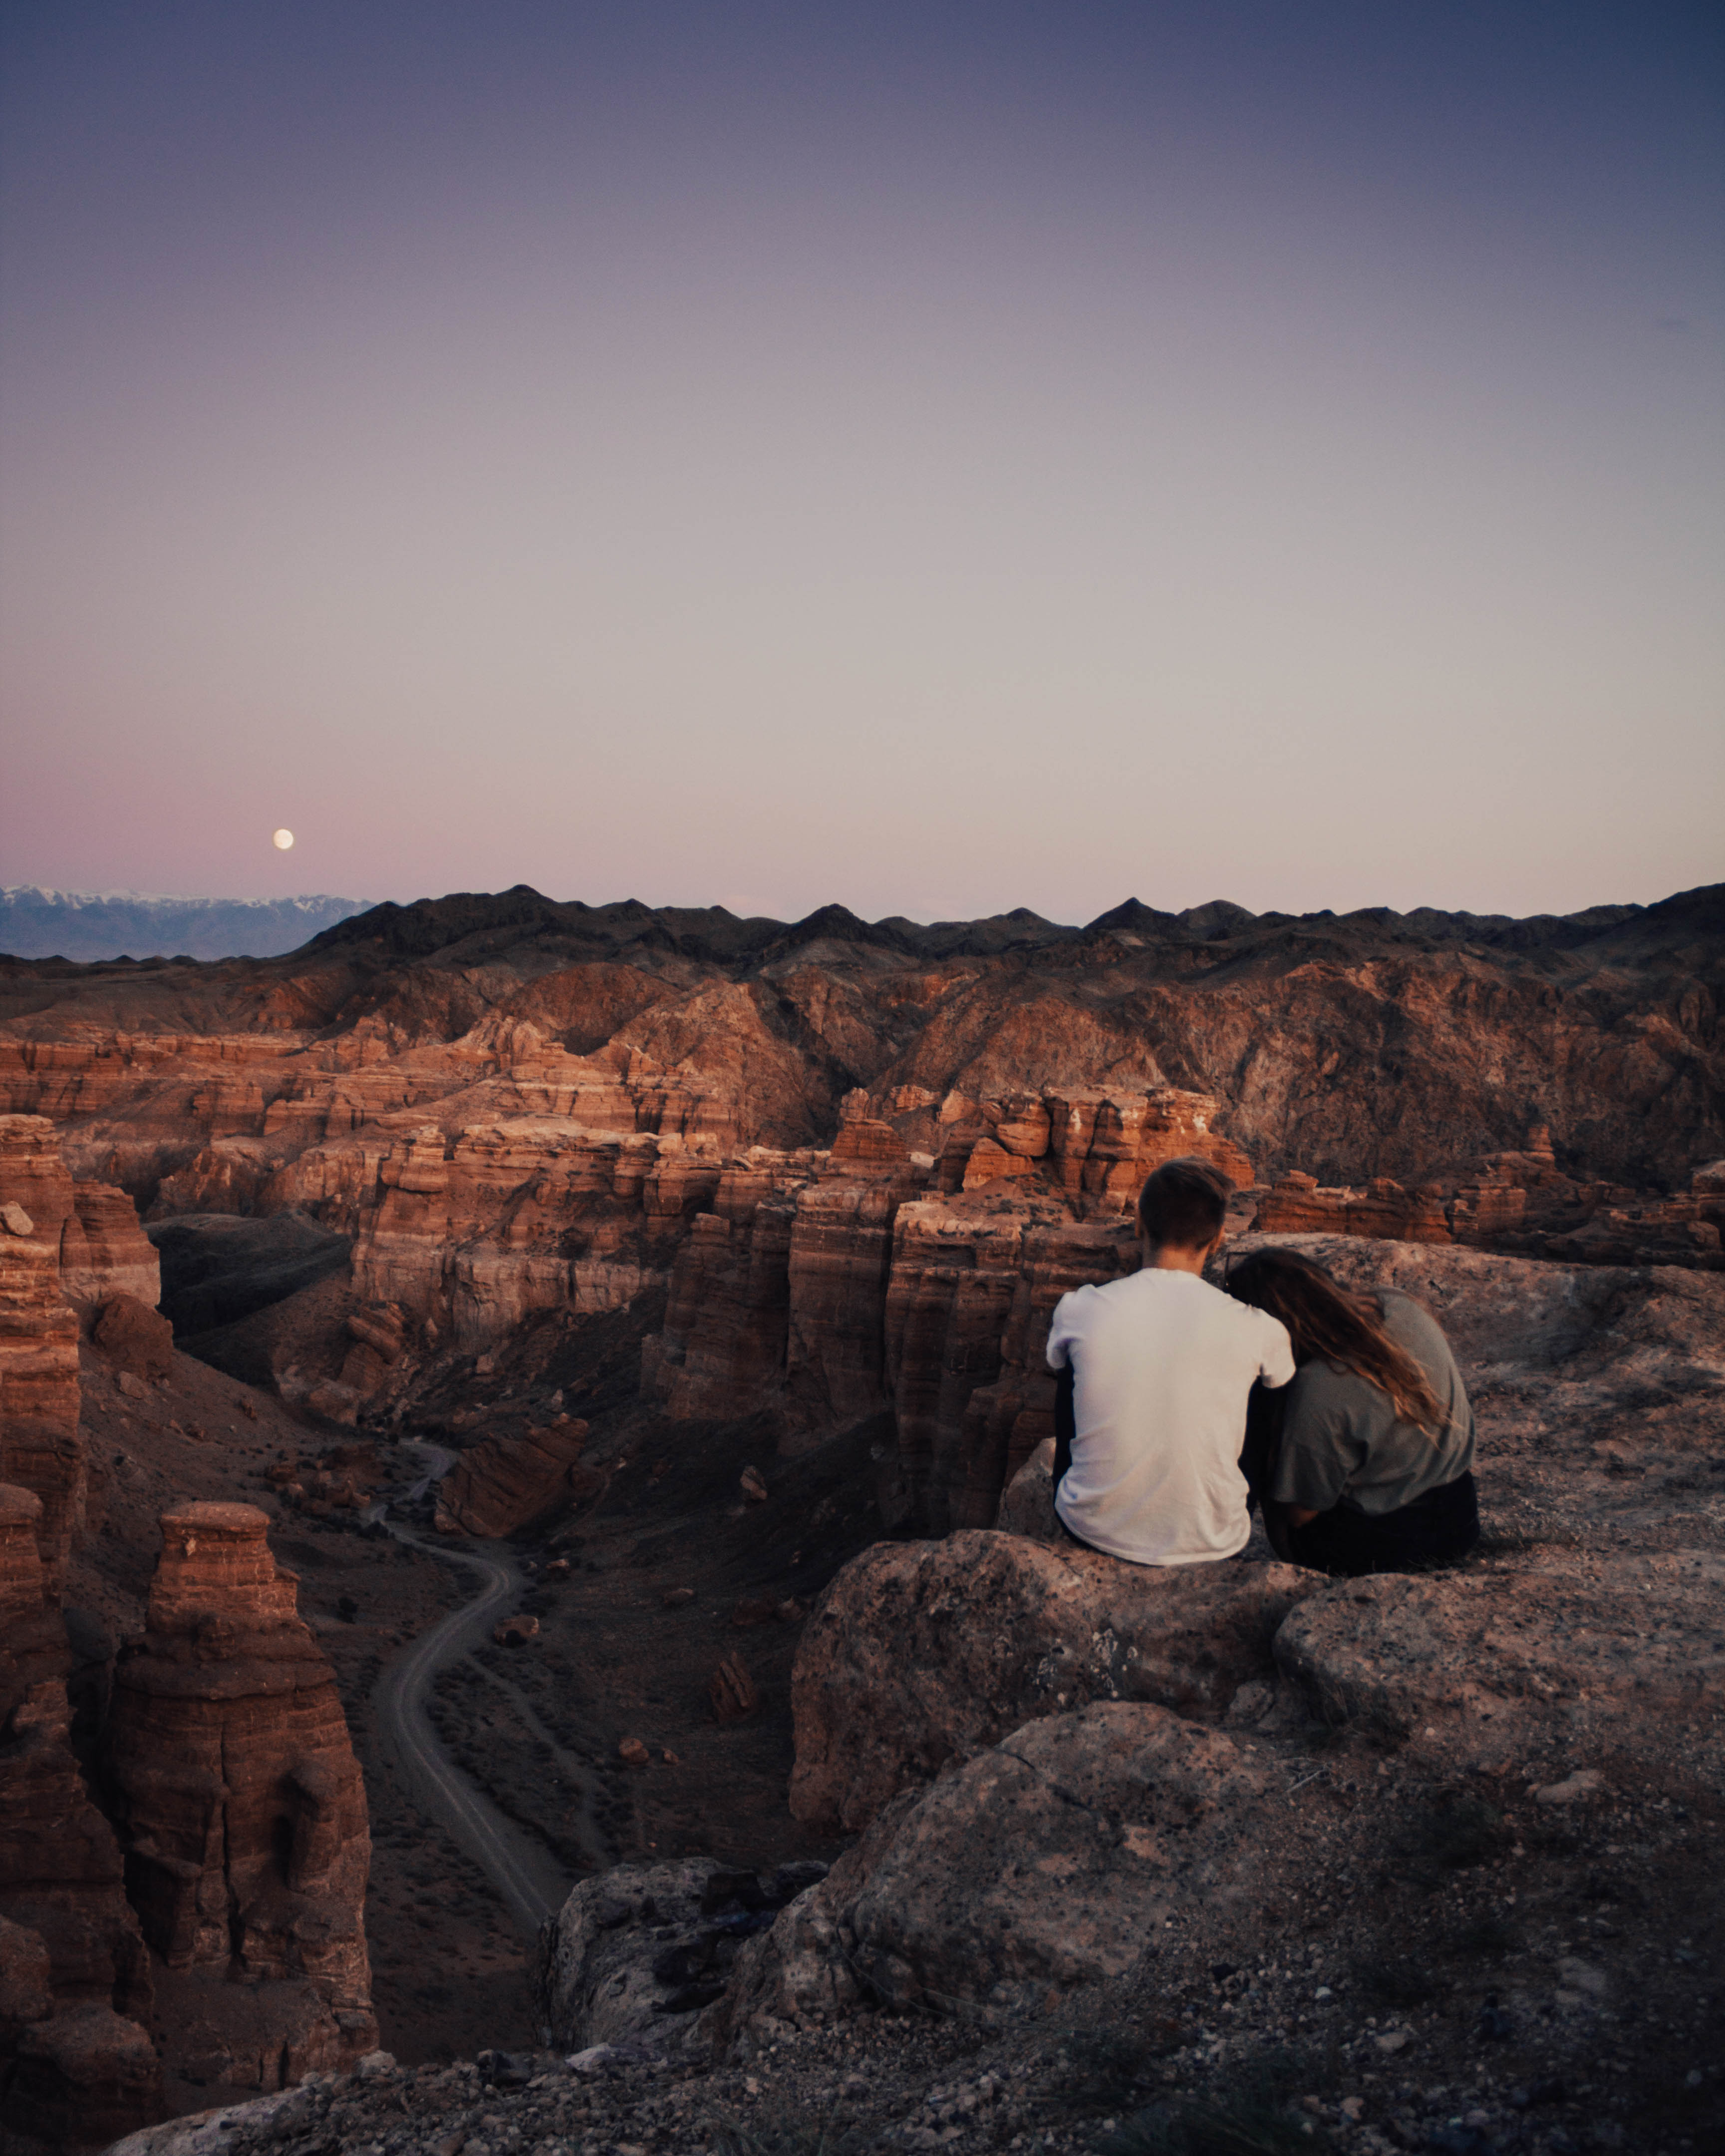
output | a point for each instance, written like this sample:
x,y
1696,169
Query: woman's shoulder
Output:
x,y
1408,1318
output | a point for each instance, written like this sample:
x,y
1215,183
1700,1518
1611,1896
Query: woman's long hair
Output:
x,y
1340,1324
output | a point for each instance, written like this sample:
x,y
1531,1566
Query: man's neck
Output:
x,y
1171,1258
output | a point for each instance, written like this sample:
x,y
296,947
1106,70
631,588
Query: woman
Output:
x,y
1375,1469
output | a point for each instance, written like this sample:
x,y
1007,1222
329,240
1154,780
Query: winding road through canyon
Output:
x,y
525,1874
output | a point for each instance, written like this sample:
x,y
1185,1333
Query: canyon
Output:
x,y
720,1255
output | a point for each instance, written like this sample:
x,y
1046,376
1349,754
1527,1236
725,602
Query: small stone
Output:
x,y
1352,2107
1392,2040
375,2065
753,1486
1582,1784
733,1691
632,1752
590,2061
674,1597
16,1220
1693,2078
134,1389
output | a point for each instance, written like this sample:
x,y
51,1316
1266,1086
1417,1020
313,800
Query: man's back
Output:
x,y
1163,1363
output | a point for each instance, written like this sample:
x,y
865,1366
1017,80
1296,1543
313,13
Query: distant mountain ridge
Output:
x,y
39,922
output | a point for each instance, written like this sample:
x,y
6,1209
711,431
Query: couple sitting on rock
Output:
x,y
1357,1436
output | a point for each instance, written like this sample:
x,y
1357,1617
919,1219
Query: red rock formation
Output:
x,y
1516,1202
243,1805
1295,1205
75,2065
505,1484
133,1338
104,1250
40,1448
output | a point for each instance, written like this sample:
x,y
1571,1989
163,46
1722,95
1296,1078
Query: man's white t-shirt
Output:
x,y
1161,1364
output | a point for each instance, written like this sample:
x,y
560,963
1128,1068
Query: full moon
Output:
x,y
283,840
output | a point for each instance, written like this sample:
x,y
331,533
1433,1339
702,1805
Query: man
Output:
x,y
1161,1365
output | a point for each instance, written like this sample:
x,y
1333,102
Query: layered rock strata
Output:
x,y
244,1814
77,2066
1519,1204
504,1484
93,1228
40,1448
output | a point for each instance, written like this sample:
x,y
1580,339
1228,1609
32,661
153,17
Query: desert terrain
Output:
x,y
526,1540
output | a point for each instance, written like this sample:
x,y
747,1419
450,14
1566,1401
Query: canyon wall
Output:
x,y
67,1250
77,2066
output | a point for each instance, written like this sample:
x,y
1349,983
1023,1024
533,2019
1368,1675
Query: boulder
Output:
x,y
504,1484
918,1652
134,1338
1053,1858
1494,1665
632,1953
733,1691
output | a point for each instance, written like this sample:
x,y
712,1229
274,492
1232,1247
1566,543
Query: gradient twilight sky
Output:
x,y
937,456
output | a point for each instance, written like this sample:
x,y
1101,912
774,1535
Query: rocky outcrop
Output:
x,y
1580,1656
241,1803
77,2066
630,1953
133,1337
506,1483
1518,1204
1053,1858
919,1653
1295,1205
92,1227
40,1448
104,1250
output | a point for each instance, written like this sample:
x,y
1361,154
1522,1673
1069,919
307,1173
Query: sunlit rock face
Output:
x,y
40,1448
241,1801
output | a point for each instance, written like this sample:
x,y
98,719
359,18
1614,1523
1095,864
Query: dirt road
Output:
x,y
524,1872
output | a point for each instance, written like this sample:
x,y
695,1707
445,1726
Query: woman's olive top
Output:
x,y
1341,1443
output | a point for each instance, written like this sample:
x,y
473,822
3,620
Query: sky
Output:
x,y
933,457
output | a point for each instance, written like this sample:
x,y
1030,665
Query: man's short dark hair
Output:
x,y
1182,1204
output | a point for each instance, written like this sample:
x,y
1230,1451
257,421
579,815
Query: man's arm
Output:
x,y
1066,1423
1277,1368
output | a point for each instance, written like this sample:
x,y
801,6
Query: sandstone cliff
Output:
x,y
242,1805
77,2065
